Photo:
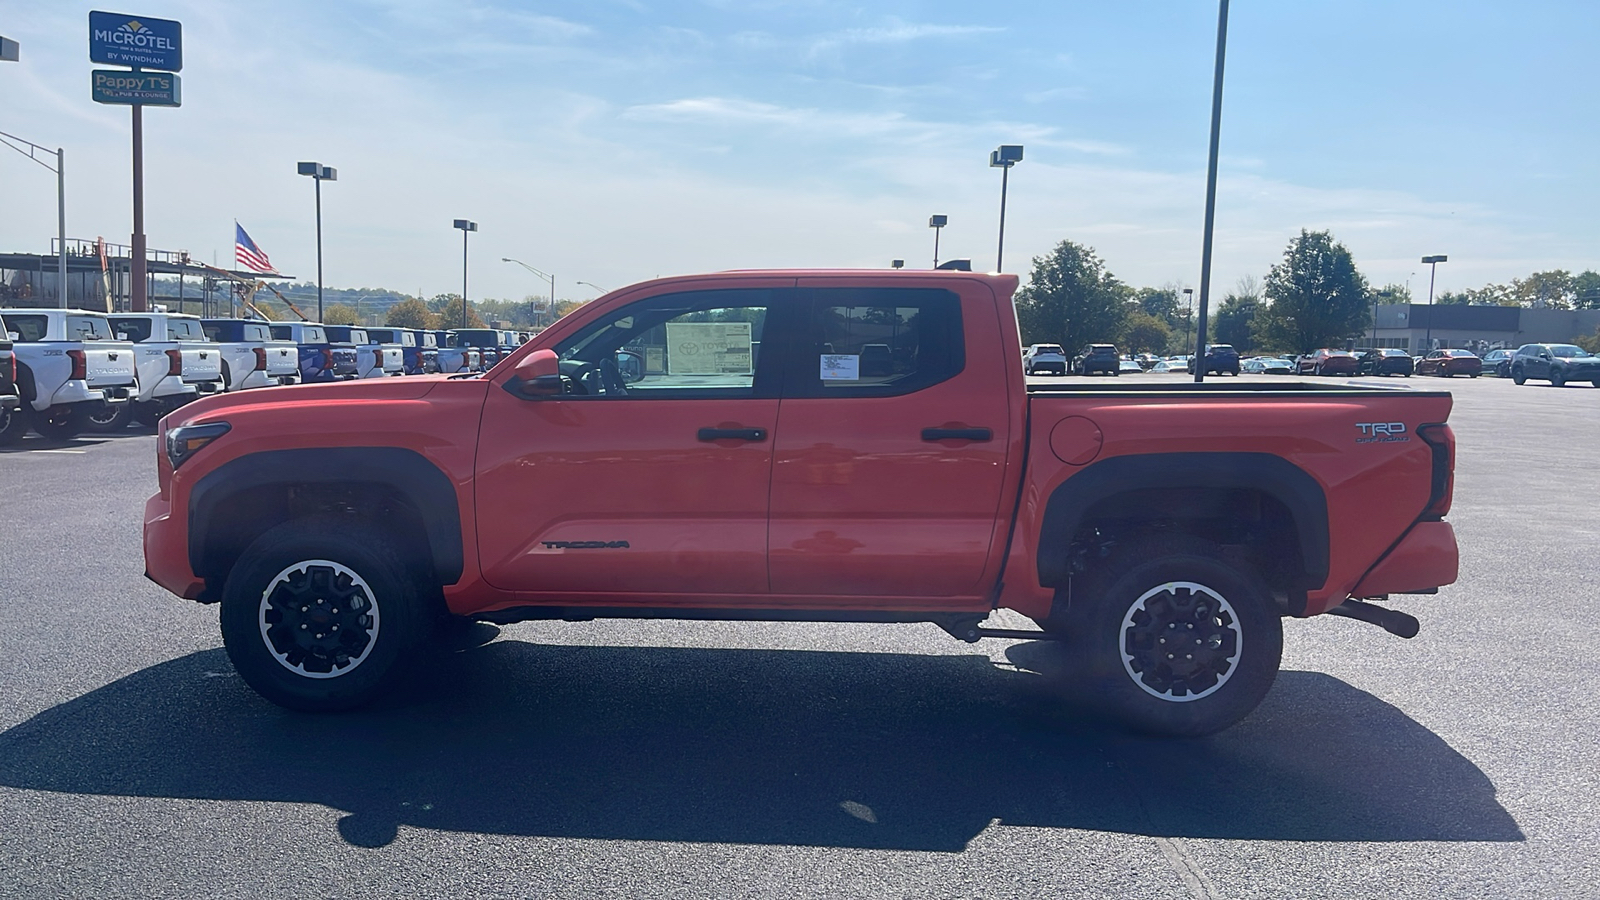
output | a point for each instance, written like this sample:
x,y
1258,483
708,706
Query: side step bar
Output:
x,y
1392,621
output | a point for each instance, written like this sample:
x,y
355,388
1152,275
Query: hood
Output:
x,y
414,387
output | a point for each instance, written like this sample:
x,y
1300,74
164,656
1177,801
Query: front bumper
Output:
x,y
166,550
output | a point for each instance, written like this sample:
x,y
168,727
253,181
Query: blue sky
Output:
x,y
612,140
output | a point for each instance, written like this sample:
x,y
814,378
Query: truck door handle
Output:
x,y
957,434
732,434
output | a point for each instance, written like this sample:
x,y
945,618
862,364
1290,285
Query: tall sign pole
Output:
x,y
1211,192
152,49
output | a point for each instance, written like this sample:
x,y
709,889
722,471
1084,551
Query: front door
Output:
x,y
891,448
649,480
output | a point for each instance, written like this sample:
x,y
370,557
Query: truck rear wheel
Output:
x,y
1177,640
320,615
61,423
111,417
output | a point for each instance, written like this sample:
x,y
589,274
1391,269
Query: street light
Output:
x,y
1188,318
1432,262
1003,158
937,223
552,304
32,153
593,285
897,263
318,173
465,227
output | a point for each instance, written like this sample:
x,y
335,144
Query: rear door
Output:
x,y
887,481
652,490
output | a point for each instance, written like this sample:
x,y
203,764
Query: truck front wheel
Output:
x,y
318,615
1177,640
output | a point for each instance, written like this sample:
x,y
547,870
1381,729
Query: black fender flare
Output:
x,y
1272,475
407,472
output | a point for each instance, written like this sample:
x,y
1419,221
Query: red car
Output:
x,y
1451,362
1327,362
793,445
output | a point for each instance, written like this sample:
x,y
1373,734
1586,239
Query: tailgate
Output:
x,y
201,362
394,358
108,363
283,357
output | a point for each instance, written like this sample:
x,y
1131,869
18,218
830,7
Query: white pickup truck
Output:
x,y
176,365
251,356
69,364
373,358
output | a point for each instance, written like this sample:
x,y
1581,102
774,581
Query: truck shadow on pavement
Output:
x,y
756,747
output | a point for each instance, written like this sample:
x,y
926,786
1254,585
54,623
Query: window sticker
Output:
x,y
709,348
841,367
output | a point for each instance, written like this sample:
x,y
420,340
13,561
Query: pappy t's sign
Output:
x,y
136,41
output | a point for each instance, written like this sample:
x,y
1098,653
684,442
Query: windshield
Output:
x,y
1568,351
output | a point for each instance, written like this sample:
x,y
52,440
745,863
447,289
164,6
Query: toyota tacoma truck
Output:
x,y
70,365
251,356
176,364
752,467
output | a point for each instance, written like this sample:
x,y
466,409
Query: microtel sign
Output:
x,y
135,41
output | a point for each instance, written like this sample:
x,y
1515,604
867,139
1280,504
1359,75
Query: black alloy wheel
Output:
x,y
111,417
1177,641
319,615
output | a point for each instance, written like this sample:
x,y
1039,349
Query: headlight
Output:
x,y
185,442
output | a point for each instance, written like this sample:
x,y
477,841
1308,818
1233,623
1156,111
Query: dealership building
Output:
x,y
1416,327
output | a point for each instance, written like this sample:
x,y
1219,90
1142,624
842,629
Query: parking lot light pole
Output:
x,y
937,223
550,307
1002,158
465,226
1211,191
33,152
593,285
318,173
1432,262
1188,319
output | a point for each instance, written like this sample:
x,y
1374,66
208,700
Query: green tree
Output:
x,y
1591,342
339,314
447,312
1315,298
1451,298
1071,299
1145,333
1545,290
1586,289
1234,321
1398,293
1161,302
411,313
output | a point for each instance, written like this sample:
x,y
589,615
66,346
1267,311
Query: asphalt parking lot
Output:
x,y
640,759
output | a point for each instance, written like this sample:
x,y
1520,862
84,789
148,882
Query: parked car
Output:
x,y
549,489
1451,362
1499,362
1556,363
10,397
1219,359
176,364
70,365
1266,365
374,359
1147,361
1098,358
1130,367
1326,362
1384,361
454,358
321,358
251,356
1044,359
485,340
1162,367
410,344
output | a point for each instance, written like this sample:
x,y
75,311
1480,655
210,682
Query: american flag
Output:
x,y
247,254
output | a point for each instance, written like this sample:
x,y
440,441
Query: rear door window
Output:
x,y
876,342
94,328
28,327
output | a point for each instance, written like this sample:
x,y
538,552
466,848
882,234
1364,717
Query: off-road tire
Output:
x,y
334,562
1114,620
111,417
60,423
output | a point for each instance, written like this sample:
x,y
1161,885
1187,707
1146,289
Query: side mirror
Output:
x,y
631,366
537,375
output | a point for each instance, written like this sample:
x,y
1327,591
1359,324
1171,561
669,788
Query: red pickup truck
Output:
x,y
840,446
